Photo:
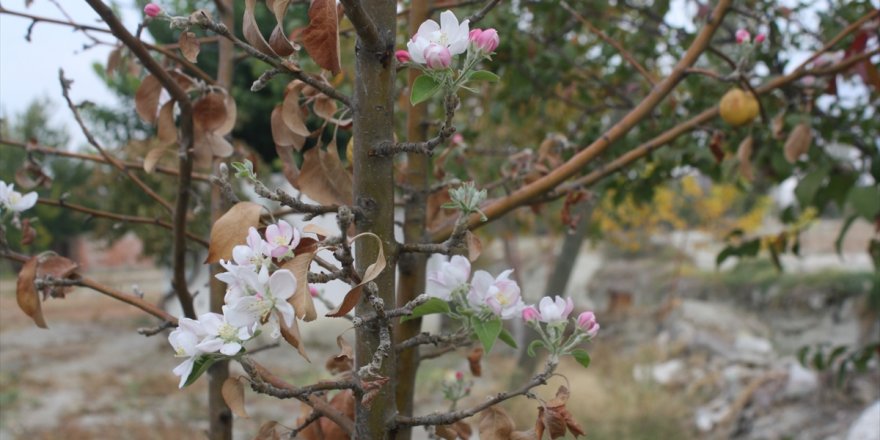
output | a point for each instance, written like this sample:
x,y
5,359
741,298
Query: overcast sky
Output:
x,y
30,70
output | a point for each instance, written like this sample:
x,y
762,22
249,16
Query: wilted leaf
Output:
x,y
323,178
28,233
267,431
279,42
321,37
292,336
189,46
231,230
302,300
325,107
167,130
233,393
26,293
291,113
209,112
342,362
475,247
281,132
495,424
474,358
373,270
457,430
556,418
744,155
777,125
251,30
343,402
146,99
113,61
715,146
231,115
316,229
798,142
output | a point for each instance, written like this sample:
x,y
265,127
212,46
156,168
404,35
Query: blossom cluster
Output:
x,y
436,45
500,297
256,299
743,37
14,201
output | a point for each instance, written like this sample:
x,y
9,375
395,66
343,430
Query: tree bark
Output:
x,y
220,426
412,264
373,115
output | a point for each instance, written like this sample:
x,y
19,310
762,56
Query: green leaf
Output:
x,y
423,88
487,331
802,355
865,201
581,356
536,343
200,366
838,244
434,305
806,189
483,75
507,338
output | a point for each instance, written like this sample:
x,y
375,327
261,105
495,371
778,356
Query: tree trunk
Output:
x,y
412,265
374,198
220,426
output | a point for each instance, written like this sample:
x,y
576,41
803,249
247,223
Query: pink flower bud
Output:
x,y
530,314
587,322
743,36
313,291
760,38
457,139
152,10
487,41
459,376
437,57
402,56
474,34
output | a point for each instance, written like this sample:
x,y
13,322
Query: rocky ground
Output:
x,y
684,353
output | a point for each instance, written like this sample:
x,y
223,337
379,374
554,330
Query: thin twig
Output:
x,y
427,147
477,16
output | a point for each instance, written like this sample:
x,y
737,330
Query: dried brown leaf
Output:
x,y
325,107
267,431
343,402
231,115
323,178
531,434
474,358
744,155
373,270
26,293
715,146
146,99
798,142
458,430
302,300
495,424
474,245
279,42
282,134
55,266
233,394
152,158
292,115
231,230
113,61
166,129
777,125
28,233
209,112
189,46
321,37
292,336
251,30
342,362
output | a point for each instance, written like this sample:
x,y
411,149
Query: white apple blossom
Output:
x,y
14,200
449,34
281,238
222,336
555,310
501,294
255,253
185,339
267,298
452,275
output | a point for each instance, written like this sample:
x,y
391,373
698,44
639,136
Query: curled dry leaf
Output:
x,y
744,155
475,246
113,61
325,107
292,336
342,362
323,178
152,158
343,402
302,300
231,230
321,37
166,129
316,229
251,30
189,46
281,132
231,115
233,393
267,431
291,112
458,430
209,111
715,146
495,424
555,418
373,270
26,293
798,142
474,358
777,126
146,99
28,233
